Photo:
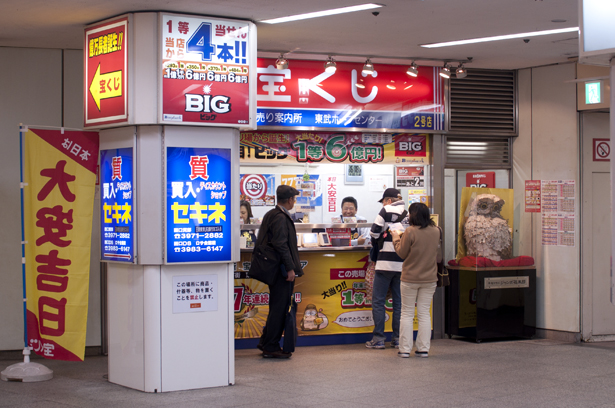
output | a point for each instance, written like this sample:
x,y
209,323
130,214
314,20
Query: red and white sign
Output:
x,y
602,149
253,186
532,195
206,70
410,146
106,73
483,179
332,194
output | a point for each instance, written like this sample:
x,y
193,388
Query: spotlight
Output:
x,y
461,72
281,63
413,70
368,68
445,72
330,65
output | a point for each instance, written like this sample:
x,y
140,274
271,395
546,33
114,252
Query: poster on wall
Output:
x,y
257,189
59,183
481,179
198,205
532,196
331,301
106,73
333,147
195,293
409,176
305,95
206,70
310,191
116,205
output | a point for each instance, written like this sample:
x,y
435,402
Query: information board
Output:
x,y
198,205
116,205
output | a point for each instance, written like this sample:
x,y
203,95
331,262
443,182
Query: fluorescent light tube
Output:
x,y
323,13
501,37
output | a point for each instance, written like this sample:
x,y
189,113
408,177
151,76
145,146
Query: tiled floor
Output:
x,y
458,373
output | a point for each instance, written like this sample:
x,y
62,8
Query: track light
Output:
x,y
413,70
368,68
445,72
281,63
461,72
330,65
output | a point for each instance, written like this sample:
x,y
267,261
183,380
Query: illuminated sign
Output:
x,y
105,80
592,93
117,205
198,205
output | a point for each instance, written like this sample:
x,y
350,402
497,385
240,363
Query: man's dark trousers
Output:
x,y
279,300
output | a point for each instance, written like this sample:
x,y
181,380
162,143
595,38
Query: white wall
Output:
x,y
548,149
31,91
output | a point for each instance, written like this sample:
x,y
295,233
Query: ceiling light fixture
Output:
x,y
281,63
330,65
501,37
445,72
368,68
413,70
461,72
360,7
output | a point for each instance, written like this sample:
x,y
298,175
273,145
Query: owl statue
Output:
x,y
486,233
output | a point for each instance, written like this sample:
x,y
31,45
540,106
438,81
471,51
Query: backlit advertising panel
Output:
x,y
304,95
106,73
198,204
205,70
117,205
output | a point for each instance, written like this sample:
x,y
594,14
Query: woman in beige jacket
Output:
x,y
419,247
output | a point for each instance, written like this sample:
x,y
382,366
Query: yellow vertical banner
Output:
x,y
59,185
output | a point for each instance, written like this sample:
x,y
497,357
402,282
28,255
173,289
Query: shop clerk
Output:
x,y
359,236
245,212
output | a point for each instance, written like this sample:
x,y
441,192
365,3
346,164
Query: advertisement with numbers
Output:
x,y
198,205
206,70
116,213
305,95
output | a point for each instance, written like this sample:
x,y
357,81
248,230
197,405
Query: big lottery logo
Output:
x,y
253,186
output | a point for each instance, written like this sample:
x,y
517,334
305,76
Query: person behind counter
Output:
x,y
419,247
349,209
245,213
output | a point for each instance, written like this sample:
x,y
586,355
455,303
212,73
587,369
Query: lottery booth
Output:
x,y
331,136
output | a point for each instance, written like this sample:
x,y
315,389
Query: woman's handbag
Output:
x,y
443,279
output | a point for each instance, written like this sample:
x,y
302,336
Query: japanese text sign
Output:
x,y
333,147
105,87
60,176
117,209
481,179
195,293
305,95
205,70
198,205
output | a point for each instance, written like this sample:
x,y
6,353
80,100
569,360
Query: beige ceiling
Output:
x,y
396,32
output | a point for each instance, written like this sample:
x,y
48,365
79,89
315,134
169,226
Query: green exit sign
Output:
x,y
592,93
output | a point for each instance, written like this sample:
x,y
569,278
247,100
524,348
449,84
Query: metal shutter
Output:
x,y
479,153
484,102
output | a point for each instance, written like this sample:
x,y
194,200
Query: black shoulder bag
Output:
x,y
265,264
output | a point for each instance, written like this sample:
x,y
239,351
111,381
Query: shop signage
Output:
x,y
116,205
197,293
305,95
507,282
409,176
257,189
205,70
481,179
198,204
602,149
106,73
333,147
532,196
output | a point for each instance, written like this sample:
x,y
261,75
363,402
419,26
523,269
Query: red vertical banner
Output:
x,y
532,196
106,73
60,177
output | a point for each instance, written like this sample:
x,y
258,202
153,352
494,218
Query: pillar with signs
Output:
x,y
170,94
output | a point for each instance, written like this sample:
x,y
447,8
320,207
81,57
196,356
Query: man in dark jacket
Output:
x,y
278,231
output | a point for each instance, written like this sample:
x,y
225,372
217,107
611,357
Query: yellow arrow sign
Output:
x,y
105,86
